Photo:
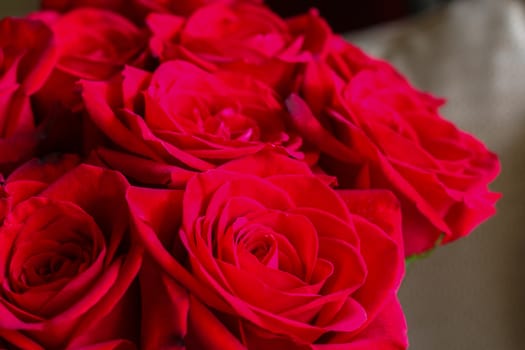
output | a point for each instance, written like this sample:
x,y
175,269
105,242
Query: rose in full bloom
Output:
x,y
26,59
273,258
377,131
241,37
68,259
181,118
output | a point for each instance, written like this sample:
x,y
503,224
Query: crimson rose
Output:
x,y
183,118
241,37
67,259
93,44
377,131
276,259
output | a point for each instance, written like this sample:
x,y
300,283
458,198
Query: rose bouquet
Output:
x,y
208,175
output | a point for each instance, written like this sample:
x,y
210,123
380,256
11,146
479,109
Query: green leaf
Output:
x,y
415,257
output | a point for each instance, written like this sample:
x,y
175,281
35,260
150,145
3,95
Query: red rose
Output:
x,y
181,117
377,131
68,259
26,58
92,44
240,37
276,259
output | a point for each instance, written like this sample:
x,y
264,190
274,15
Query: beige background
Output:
x,y
469,295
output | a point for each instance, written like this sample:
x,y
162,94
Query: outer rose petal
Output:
x,y
206,332
134,167
36,175
90,53
388,331
165,307
34,47
27,57
92,44
120,322
381,209
76,51
164,310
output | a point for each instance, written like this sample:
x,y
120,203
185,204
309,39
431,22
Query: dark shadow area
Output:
x,y
353,15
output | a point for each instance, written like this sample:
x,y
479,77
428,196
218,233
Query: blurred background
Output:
x,y
471,294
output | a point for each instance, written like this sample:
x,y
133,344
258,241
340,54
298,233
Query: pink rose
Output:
x,y
273,258
377,131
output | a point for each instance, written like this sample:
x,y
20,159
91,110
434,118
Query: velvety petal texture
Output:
x,y
376,131
27,55
93,43
68,258
241,37
274,258
183,119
